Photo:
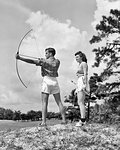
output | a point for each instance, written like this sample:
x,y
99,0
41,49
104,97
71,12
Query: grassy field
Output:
x,y
13,125
60,137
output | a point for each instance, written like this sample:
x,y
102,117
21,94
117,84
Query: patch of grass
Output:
x,y
14,125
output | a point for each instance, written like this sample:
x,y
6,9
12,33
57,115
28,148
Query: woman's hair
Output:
x,y
82,55
51,50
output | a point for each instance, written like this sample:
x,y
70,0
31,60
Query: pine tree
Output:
x,y
109,55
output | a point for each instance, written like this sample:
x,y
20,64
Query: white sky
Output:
x,y
67,25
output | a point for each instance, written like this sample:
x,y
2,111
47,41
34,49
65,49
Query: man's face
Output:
x,y
47,54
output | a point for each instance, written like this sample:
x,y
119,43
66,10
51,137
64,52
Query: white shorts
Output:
x,y
81,86
50,85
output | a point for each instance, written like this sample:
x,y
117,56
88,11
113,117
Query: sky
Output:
x,y
66,25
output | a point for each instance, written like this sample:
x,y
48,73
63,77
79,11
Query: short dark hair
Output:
x,y
81,54
51,50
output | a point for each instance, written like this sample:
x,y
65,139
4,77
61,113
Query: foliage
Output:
x,y
72,98
2,110
8,114
72,113
16,115
109,56
31,115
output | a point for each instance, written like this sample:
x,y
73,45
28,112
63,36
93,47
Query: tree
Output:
x,y
17,115
32,115
2,110
24,117
109,55
8,114
38,115
50,115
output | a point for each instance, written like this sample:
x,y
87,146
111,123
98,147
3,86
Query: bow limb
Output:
x,y
19,74
17,70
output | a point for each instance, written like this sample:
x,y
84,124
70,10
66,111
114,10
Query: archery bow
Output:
x,y
24,55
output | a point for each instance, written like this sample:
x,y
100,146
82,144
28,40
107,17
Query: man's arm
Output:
x,y
27,60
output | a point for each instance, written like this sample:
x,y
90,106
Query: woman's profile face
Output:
x,y
78,58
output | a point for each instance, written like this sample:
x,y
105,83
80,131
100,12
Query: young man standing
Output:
x,y
49,72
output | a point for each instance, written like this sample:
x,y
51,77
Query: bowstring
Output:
x,y
37,47
26,56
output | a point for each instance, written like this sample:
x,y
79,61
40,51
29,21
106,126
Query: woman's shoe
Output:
x,y
80,124
42,125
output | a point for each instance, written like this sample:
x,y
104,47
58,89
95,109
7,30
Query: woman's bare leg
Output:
x,y
81,98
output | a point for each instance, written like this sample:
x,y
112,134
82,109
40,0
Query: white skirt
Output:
x,y
81,86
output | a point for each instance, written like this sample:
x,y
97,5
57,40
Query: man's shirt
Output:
x,y
49,67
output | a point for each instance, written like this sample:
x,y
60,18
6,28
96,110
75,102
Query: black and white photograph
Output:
x,y
60,75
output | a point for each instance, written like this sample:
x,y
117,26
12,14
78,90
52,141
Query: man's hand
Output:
x,y
17,56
